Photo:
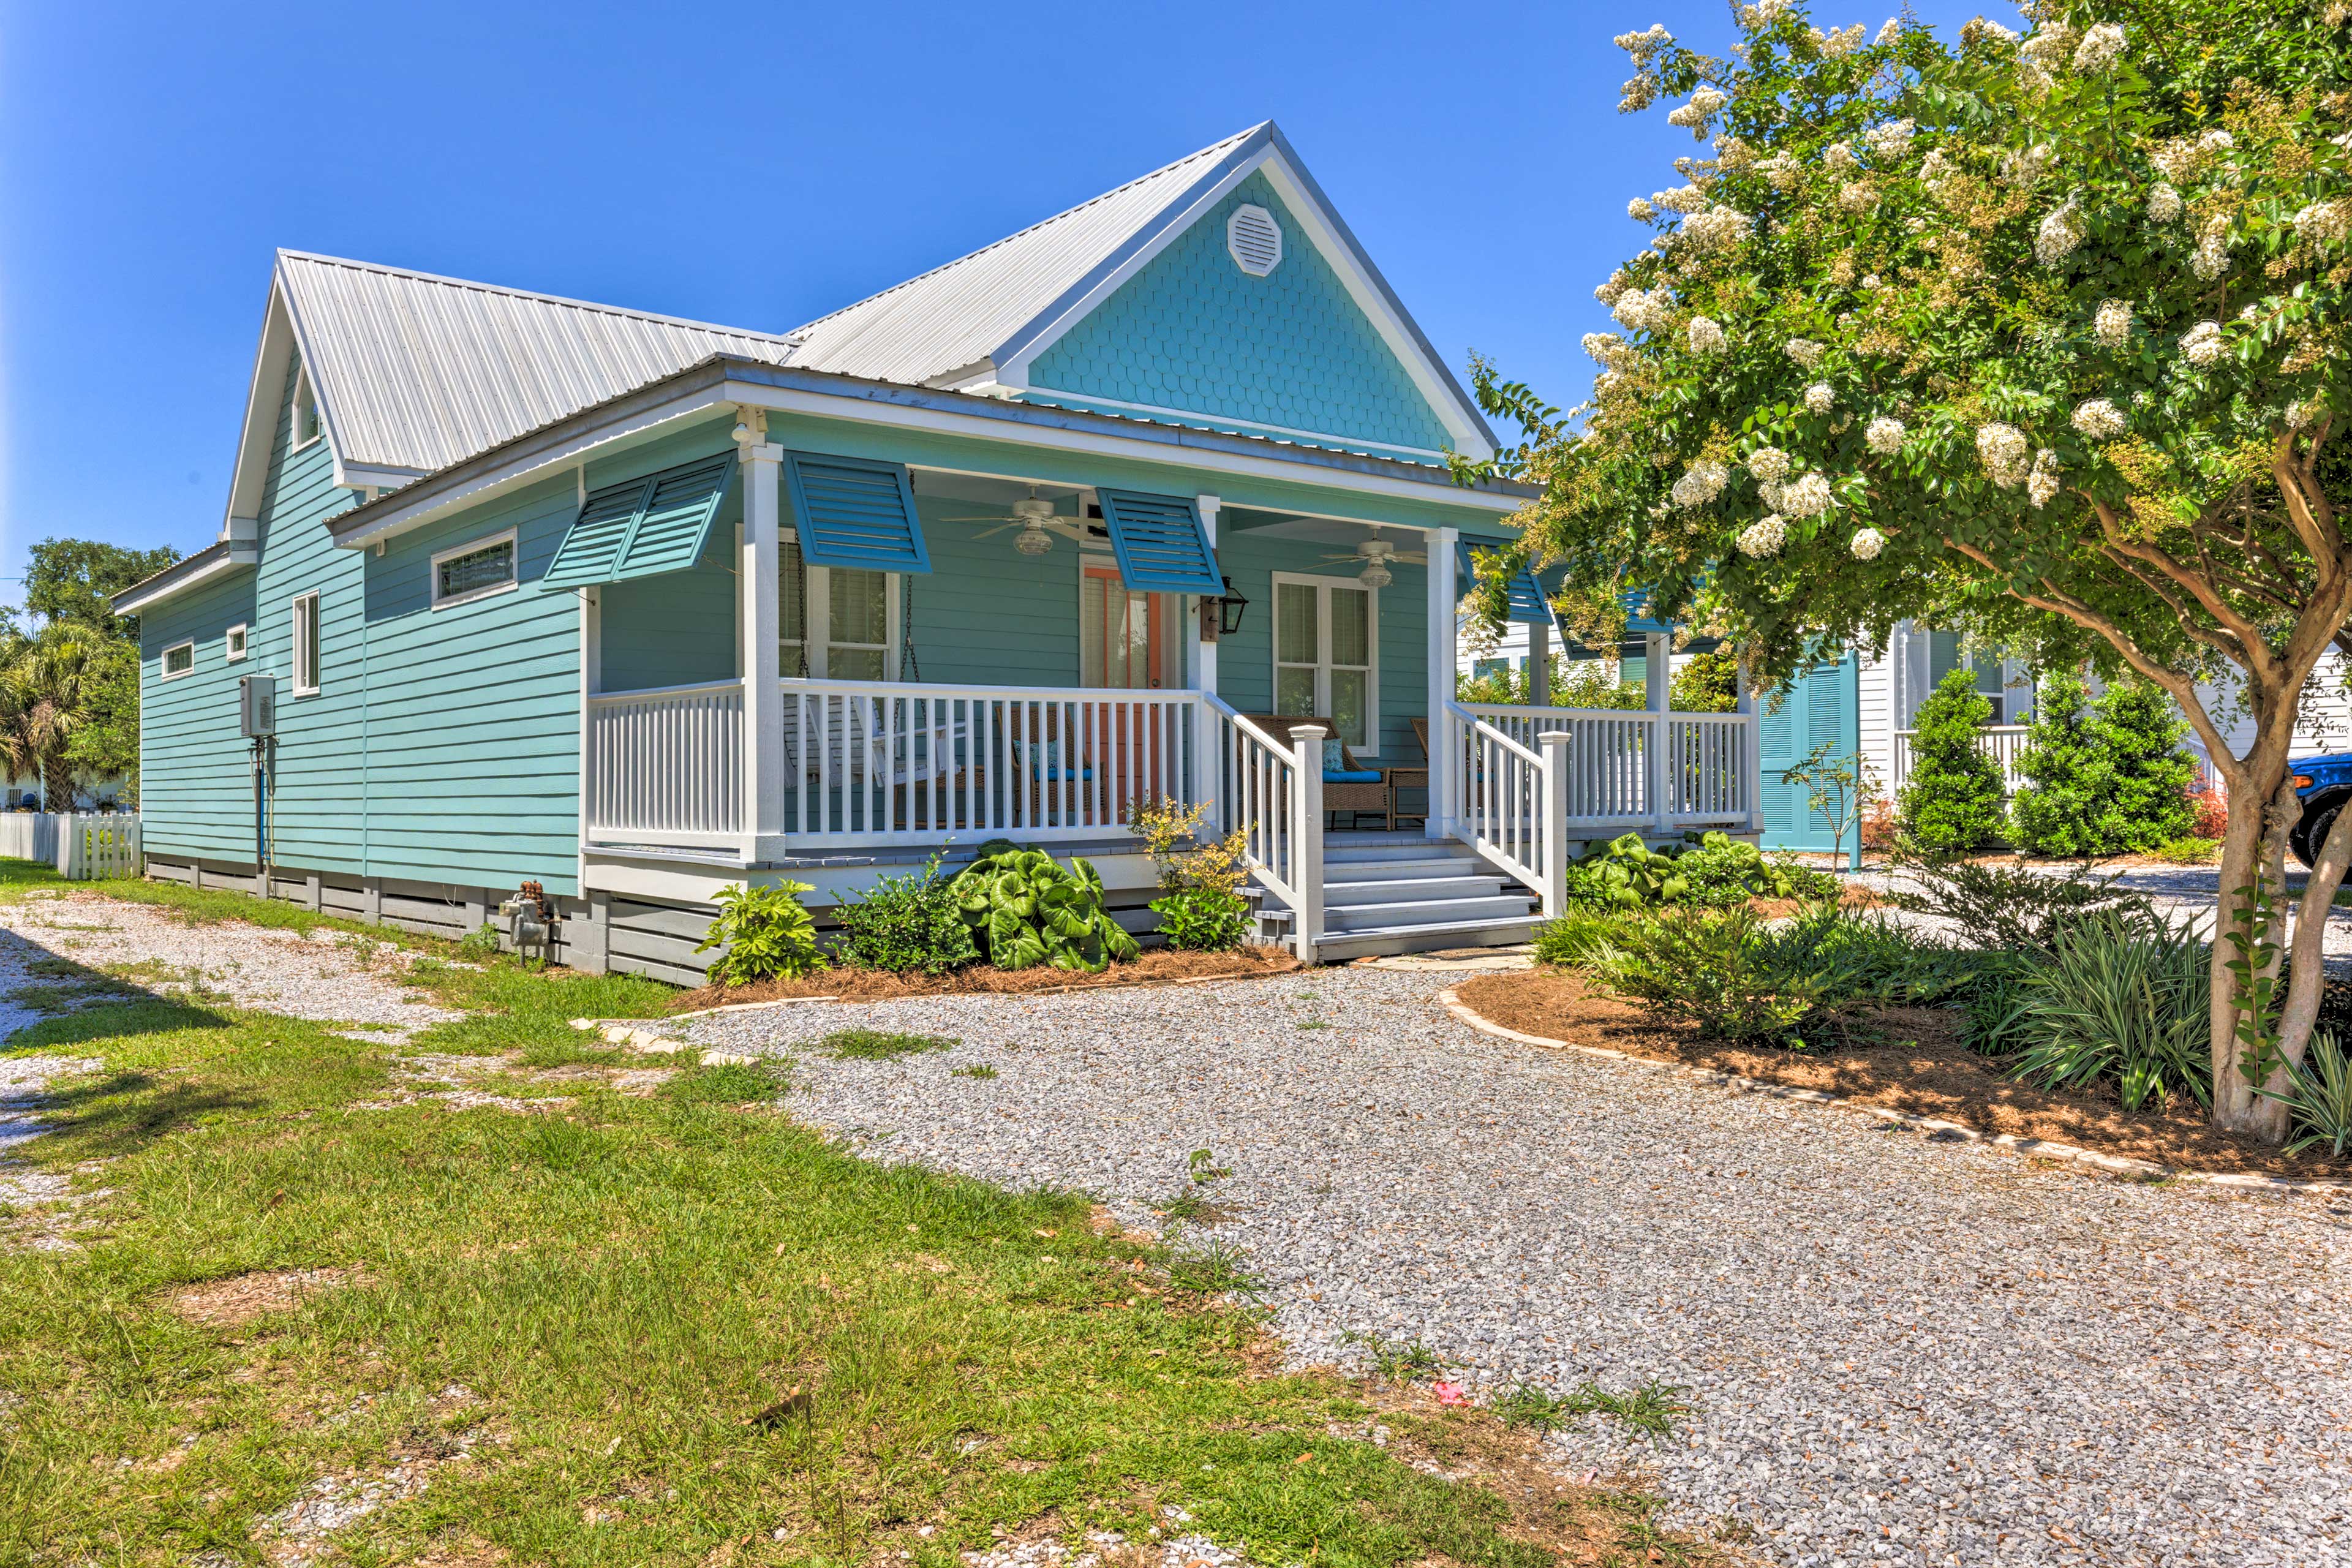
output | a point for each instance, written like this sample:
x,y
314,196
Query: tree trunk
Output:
x,y
2263,807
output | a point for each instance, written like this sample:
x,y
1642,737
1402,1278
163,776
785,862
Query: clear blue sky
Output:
x,y
753,165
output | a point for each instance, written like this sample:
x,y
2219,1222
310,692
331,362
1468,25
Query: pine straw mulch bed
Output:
x,y
1158,966
1922,1068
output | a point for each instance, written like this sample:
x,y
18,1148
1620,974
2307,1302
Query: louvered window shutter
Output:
x,y
1529,606
642,526
855,511
1160,544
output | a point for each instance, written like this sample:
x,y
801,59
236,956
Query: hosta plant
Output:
x,y
2036,337
1025,909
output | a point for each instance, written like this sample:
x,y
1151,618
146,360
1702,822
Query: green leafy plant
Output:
x,y
2067,774
1706,868
1583,938
2256,966
2318,1098
480,943
909,924
2146,801
1838,786
1396,1361
1203,920
764,934
1026,910
2189,852
2005,908
1202,1165
1213,1267
1950,801
2124,1001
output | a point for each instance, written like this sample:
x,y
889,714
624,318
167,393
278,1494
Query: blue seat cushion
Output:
x,y
1350,776
1053,774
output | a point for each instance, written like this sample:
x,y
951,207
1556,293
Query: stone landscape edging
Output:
x,y
2113,1165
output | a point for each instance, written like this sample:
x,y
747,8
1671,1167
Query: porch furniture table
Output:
x,y
1395,779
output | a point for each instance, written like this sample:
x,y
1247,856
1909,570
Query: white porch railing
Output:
x,y
2004,744
1505,814
1272,793
666,765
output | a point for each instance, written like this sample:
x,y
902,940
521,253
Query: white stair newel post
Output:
x,y
1306,835
1657,681
758,621
1552,830
1445,752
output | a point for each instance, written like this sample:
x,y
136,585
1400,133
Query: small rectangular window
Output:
x,y
233,643
306,644
179,660
472,570
307,428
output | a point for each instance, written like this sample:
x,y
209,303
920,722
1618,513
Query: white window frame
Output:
x,y
819,630
317,641
488,542
164,664
236,643
306,396
1323,586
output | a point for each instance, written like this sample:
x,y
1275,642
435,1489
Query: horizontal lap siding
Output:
x,y
987,615
1245,661
195,775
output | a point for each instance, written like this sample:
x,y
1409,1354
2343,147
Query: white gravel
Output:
x,y
1897,1351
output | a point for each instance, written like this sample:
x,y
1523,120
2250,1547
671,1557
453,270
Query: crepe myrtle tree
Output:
x,y
2037,337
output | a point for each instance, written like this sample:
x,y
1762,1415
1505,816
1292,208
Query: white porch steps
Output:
x,y
1414,895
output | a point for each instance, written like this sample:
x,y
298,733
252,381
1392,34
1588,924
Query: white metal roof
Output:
x,y
955,316
416,372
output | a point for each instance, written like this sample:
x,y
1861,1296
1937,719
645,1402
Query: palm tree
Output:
x,y
43,698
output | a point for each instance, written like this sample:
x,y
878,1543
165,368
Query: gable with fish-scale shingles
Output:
x,y
1290,353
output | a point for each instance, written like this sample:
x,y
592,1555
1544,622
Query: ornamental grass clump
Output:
x,y
2123,1004
1025,909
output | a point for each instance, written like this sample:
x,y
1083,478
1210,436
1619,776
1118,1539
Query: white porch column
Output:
x,y
1751,752
1445,757
1657,683
763,697
1201,668
1306,836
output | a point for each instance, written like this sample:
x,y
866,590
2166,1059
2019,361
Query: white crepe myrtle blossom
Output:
x,y
1868,543
2002,450
1639,311
1610,289
1694,115
2060,232
1680,199
1808,495
1840,157
1839,42
1936,168
2048,46
2042,483
1700,484
1890,139
2113,323
1779,170
1805,351
1763,537
1733,156
1979,30
2100,47
1717,228
2099,419
1705,335
1884,435
1640,210
1890,32
1821,398
2203,343
2163,205
1857,195
2325,223
2299,416
1770,465
2211,258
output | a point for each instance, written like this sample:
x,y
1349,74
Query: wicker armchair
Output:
x,y
1353,796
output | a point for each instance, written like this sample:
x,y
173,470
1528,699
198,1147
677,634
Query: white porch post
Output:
x,y
1306,836
1751,753
763,696
1552,830
1444,755
1657,681
1200,658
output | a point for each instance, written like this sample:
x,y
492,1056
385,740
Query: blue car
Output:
x,y
2323,784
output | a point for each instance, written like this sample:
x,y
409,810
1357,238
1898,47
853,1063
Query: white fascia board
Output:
x,y
1434,491
529,467
250,473
1013,360
225,563
375,476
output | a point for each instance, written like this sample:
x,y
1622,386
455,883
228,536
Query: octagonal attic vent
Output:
x,y
1254,239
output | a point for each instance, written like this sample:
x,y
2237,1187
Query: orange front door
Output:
x,y
1122,645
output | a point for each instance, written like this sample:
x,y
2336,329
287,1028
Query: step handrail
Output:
x,y
1271,793
1513,802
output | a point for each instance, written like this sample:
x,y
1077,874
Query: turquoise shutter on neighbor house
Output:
x,y
1528,605
1820,709
642,526
1160,544
853,512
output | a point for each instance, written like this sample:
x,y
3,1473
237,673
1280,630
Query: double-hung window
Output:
x,y
836,623
306,644
1327,656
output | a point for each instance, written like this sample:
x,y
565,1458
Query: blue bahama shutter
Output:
x,y
642,526
1160,544
853,512
1528,605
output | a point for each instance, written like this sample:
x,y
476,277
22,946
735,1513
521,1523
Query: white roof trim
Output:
x,y
1012,360
132,600
261,399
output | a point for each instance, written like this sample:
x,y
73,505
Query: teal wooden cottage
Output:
x,y
637,608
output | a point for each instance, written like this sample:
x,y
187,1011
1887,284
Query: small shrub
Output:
x,y
879,1045
2068,774
1951,801
906,924
2189,852
1026,910
1581,939
2147,802
1882,825
481,943
2319,1098
1170,831
766,934
2211,808
1711,868
1717,971
2125,1001
1203,920
2007,908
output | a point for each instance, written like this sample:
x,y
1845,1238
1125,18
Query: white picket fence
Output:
x,y
82,845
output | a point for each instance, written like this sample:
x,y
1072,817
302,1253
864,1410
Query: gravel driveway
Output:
x,y
1897,1351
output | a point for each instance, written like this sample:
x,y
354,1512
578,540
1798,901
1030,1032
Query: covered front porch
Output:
x,y
865,662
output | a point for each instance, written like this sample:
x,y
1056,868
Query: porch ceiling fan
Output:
x,y
1036,520
1375,554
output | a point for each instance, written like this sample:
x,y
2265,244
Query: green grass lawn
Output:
x,y
663,1328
